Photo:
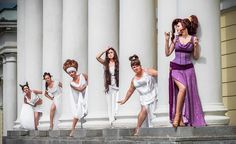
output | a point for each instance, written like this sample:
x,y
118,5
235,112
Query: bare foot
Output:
x,y
136,131
72,133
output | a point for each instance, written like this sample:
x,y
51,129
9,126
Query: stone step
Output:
x,y
202,135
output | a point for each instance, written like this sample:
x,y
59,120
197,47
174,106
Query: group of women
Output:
x,y
184,103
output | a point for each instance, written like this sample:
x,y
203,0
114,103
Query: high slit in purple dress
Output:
x,y
183,71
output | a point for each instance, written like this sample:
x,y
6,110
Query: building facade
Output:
x,y
51,31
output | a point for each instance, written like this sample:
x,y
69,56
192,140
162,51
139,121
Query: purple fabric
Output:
x,y
183,71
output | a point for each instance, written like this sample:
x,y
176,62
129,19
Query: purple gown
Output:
x,y
183,71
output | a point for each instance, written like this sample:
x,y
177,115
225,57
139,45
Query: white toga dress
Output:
x,y
147,89
27,112
79,100
56,93
112,96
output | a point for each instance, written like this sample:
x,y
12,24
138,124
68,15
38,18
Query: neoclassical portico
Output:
x,y
49,32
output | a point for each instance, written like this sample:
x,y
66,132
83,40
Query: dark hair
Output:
x,y
193,25
134,60
107,74
24,85
174,23
44,75
70,63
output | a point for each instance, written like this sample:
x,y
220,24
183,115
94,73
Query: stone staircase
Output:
x,y
163,135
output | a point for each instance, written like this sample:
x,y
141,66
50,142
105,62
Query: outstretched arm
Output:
x,y
196,51
152,72
37,91
128,94
169,48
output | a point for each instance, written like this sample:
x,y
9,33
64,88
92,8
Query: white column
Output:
x,y
33,42
164,25
137,36
20,56
9,91
74,46
208,67
52,45
103,32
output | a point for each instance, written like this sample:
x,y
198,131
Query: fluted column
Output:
x,y
137,36
208,67
74,46
20,56
52,46
164,25
33,42
103,32
9,91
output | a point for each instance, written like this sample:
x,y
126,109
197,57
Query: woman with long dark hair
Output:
x,y
184,102
111,80
53,91
145,83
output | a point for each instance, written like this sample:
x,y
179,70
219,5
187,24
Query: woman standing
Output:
x,y
53,91
78,94
32,99
145,83
185,105
111,80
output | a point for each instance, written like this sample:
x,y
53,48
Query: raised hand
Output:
x,y
167,36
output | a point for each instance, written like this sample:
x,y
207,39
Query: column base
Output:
x,y
65,122
125,121
96,121
17,125
162,117
215,114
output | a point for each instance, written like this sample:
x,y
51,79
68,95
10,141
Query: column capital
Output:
x,y
8,56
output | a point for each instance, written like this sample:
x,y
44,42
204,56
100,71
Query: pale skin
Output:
x,y
110,56
76,79
50,82
28,92
138,74
184,38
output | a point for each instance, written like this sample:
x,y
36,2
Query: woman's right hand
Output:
x,y
167,36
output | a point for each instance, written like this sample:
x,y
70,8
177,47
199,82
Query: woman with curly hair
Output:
x,y
184,102
53,91
145,83
111,80
78,93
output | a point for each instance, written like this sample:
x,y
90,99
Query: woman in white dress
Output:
x,y
33,113
145,83
78,92
53,91
111,80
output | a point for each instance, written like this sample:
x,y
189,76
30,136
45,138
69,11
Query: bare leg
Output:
x,y
75,120
179,103
36,120
141,117
52,112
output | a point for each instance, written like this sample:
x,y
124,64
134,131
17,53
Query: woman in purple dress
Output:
x,y
184,102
